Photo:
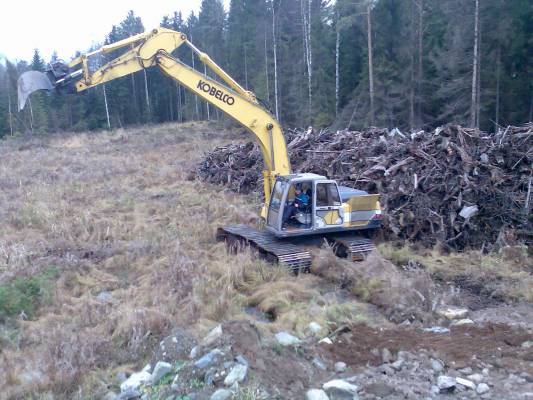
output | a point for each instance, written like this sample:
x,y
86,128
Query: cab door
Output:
x,y
275,209
328,211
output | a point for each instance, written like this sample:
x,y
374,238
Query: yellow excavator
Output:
x,y
300,209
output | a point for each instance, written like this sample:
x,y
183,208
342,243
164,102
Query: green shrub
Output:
x,y
25,294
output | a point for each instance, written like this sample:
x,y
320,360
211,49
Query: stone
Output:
x,y
194,352
241,360
379,389
340,366
317,362
482,388
121,376
286,339
468,211
446,384
386,356
326,340
452,313
316,394
161,369
212,336
436,365
221,394
105,297
466,383
398,364
484,158
237,374
208,359
462,322
129,394
527,344
338,389
466,371
475,377
436,329
485,371
314,327
110,396
174,347
135,380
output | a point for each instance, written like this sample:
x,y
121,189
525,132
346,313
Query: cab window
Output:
x,y
277,194
327,195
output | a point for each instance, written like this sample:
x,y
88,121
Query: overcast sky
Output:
x,y
70,25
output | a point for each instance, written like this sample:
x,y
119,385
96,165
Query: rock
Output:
x,y
161,369
484,158
340,366
121,376
466,383
129,394
452,313
176,346
314,327
212,336
386,356
475,377
434,390
482,388
286,339
436,365
340,389
221,394
194,352
436,329
379,389
316,394
466,371
208,359
461,322
326,340
446,384
135,380
241,360
110,396
398,364
468,211
105,297
237,374
317,362
527,344
485,371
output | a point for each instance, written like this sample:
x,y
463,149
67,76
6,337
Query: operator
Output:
x,y
301,200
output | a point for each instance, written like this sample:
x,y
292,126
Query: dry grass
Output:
x,y
504,276
115,213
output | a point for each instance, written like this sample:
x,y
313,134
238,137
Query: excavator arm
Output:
x,y
154,48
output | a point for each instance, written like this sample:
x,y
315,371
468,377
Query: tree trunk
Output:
x,y
370,63
337,48
478,86
497,106
146,92
274,45
420,62
306,25
473,103
412,68
9,106
106,108
195,97
266,67
245,69
31,115
180,112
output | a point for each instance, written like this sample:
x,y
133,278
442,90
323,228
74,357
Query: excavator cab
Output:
x,y
330,208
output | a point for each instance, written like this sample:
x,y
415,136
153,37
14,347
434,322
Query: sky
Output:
x,y
67,25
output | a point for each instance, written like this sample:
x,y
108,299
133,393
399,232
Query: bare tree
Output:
x,y
146,92
308,55
420,61
475,81
106,108
370,61
274,45
337,48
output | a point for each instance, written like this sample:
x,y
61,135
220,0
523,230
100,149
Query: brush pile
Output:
x,y
456,186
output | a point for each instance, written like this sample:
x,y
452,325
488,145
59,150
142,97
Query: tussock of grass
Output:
x,y
505,275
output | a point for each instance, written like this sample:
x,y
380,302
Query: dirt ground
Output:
x,y
132,240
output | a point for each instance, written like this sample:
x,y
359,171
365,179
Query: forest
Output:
x,y
410,64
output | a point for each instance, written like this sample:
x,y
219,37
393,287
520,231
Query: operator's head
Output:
x,y
298,189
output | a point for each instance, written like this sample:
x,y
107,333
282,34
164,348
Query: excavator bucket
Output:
x,y
30,82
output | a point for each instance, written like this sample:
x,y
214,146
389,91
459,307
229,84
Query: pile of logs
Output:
x,y
456,186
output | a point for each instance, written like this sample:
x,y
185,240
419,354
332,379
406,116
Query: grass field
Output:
x,y
106,243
